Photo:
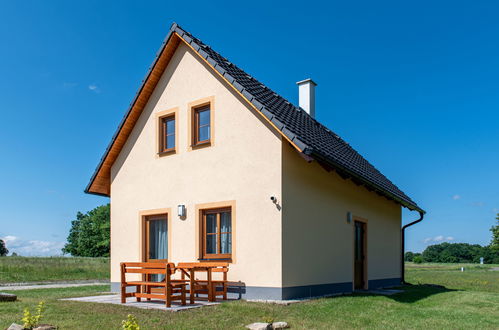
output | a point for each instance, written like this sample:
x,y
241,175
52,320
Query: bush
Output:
x,y
417,259
409,256
130,323
31,321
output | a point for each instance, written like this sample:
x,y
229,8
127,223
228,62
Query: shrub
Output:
x,y
31,321
409,256
130,323
418,259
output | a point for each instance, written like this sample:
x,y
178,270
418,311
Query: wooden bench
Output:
x,y
202,286
167,289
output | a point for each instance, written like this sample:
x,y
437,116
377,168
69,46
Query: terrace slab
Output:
x,y
15,287
115,299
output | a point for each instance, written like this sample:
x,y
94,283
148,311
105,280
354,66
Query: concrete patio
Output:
x,y
115,299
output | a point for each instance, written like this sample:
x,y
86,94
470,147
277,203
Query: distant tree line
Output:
x,y
89,235
460,252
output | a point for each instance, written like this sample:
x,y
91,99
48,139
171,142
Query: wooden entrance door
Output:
x,y
360,257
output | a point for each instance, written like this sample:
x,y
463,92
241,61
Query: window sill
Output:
x,y
214,259
201,145
167,152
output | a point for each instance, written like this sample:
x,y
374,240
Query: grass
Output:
x,y
460,305
25,269
475,277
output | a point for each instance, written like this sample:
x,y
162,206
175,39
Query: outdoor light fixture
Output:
x,y
181,211
349,217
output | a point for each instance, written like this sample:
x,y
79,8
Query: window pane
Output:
x,y
204,117
158,239
225,222
204,133
211,244
226,242
211,223
170,126
170,141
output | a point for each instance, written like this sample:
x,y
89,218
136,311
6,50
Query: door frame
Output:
x,y
143,215
366,255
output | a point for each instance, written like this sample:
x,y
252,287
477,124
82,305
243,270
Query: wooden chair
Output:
x,y
168,289
201,286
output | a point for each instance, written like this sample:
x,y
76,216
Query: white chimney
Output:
x,y
306,96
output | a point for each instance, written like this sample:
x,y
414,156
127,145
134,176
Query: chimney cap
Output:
x,y
309,80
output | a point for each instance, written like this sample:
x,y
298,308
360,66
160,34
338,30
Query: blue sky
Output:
x,y
413,86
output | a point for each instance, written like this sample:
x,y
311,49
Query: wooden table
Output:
x,y
189,270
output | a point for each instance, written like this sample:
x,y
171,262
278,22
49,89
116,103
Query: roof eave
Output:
x,y
411,206
88,189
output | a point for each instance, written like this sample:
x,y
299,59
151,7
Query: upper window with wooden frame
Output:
x,y
167,132
216,238
201,122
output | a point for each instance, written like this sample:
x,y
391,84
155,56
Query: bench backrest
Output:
x,y
148,267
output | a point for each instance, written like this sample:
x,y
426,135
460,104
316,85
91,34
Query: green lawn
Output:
x,y
475,277
25,269
469,301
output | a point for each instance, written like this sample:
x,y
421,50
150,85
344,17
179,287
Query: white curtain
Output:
x,y
158,243
226,227
158,239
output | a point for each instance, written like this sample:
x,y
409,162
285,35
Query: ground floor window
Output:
x,y
216,233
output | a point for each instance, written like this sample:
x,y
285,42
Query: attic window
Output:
x,y
201,123
202,129
167,132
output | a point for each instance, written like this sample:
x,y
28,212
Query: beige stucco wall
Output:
x,y
318,241
243,165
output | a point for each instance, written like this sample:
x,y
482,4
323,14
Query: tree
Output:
x,y
459,253
494,245
409,256
418,259
3,249
89,235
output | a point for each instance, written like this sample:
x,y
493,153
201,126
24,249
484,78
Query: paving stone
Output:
x,y
259,326
280,325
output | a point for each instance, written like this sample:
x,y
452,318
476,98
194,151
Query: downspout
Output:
x,y
402,261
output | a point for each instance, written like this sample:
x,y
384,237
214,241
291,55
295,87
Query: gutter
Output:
x,y
402,261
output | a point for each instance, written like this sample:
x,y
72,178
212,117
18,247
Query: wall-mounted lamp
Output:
x,y
349,217
181,211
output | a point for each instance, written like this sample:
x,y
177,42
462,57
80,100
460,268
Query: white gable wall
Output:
x,y
243,165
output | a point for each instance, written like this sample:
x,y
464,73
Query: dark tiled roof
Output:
x,y
315,140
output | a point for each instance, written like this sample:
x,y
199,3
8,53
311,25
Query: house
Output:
x,y
210,164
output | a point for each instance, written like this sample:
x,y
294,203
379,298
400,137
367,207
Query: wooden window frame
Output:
x,y
161,137
144,217
201,209
194,108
